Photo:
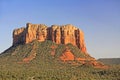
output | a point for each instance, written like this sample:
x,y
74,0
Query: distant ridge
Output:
x,y
110,61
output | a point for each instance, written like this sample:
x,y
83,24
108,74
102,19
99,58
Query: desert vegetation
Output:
x,y
49,67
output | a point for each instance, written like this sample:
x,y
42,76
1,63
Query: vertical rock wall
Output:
x,y
59,34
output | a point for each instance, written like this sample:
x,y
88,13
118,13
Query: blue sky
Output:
x,y
99,19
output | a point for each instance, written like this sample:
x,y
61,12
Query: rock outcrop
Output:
x,y
59,34
67,55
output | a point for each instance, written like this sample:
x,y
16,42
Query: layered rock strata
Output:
x,y
59,34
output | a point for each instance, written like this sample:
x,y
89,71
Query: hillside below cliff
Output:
x,y
50,61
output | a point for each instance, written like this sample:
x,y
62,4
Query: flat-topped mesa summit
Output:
x,y
59,34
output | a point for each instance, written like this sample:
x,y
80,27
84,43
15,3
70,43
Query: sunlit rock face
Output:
x,y
63,34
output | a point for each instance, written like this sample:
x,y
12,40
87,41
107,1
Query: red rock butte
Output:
x,y
63,34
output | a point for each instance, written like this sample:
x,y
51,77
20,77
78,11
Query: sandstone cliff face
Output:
x,y
35,32
18,36
59,34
